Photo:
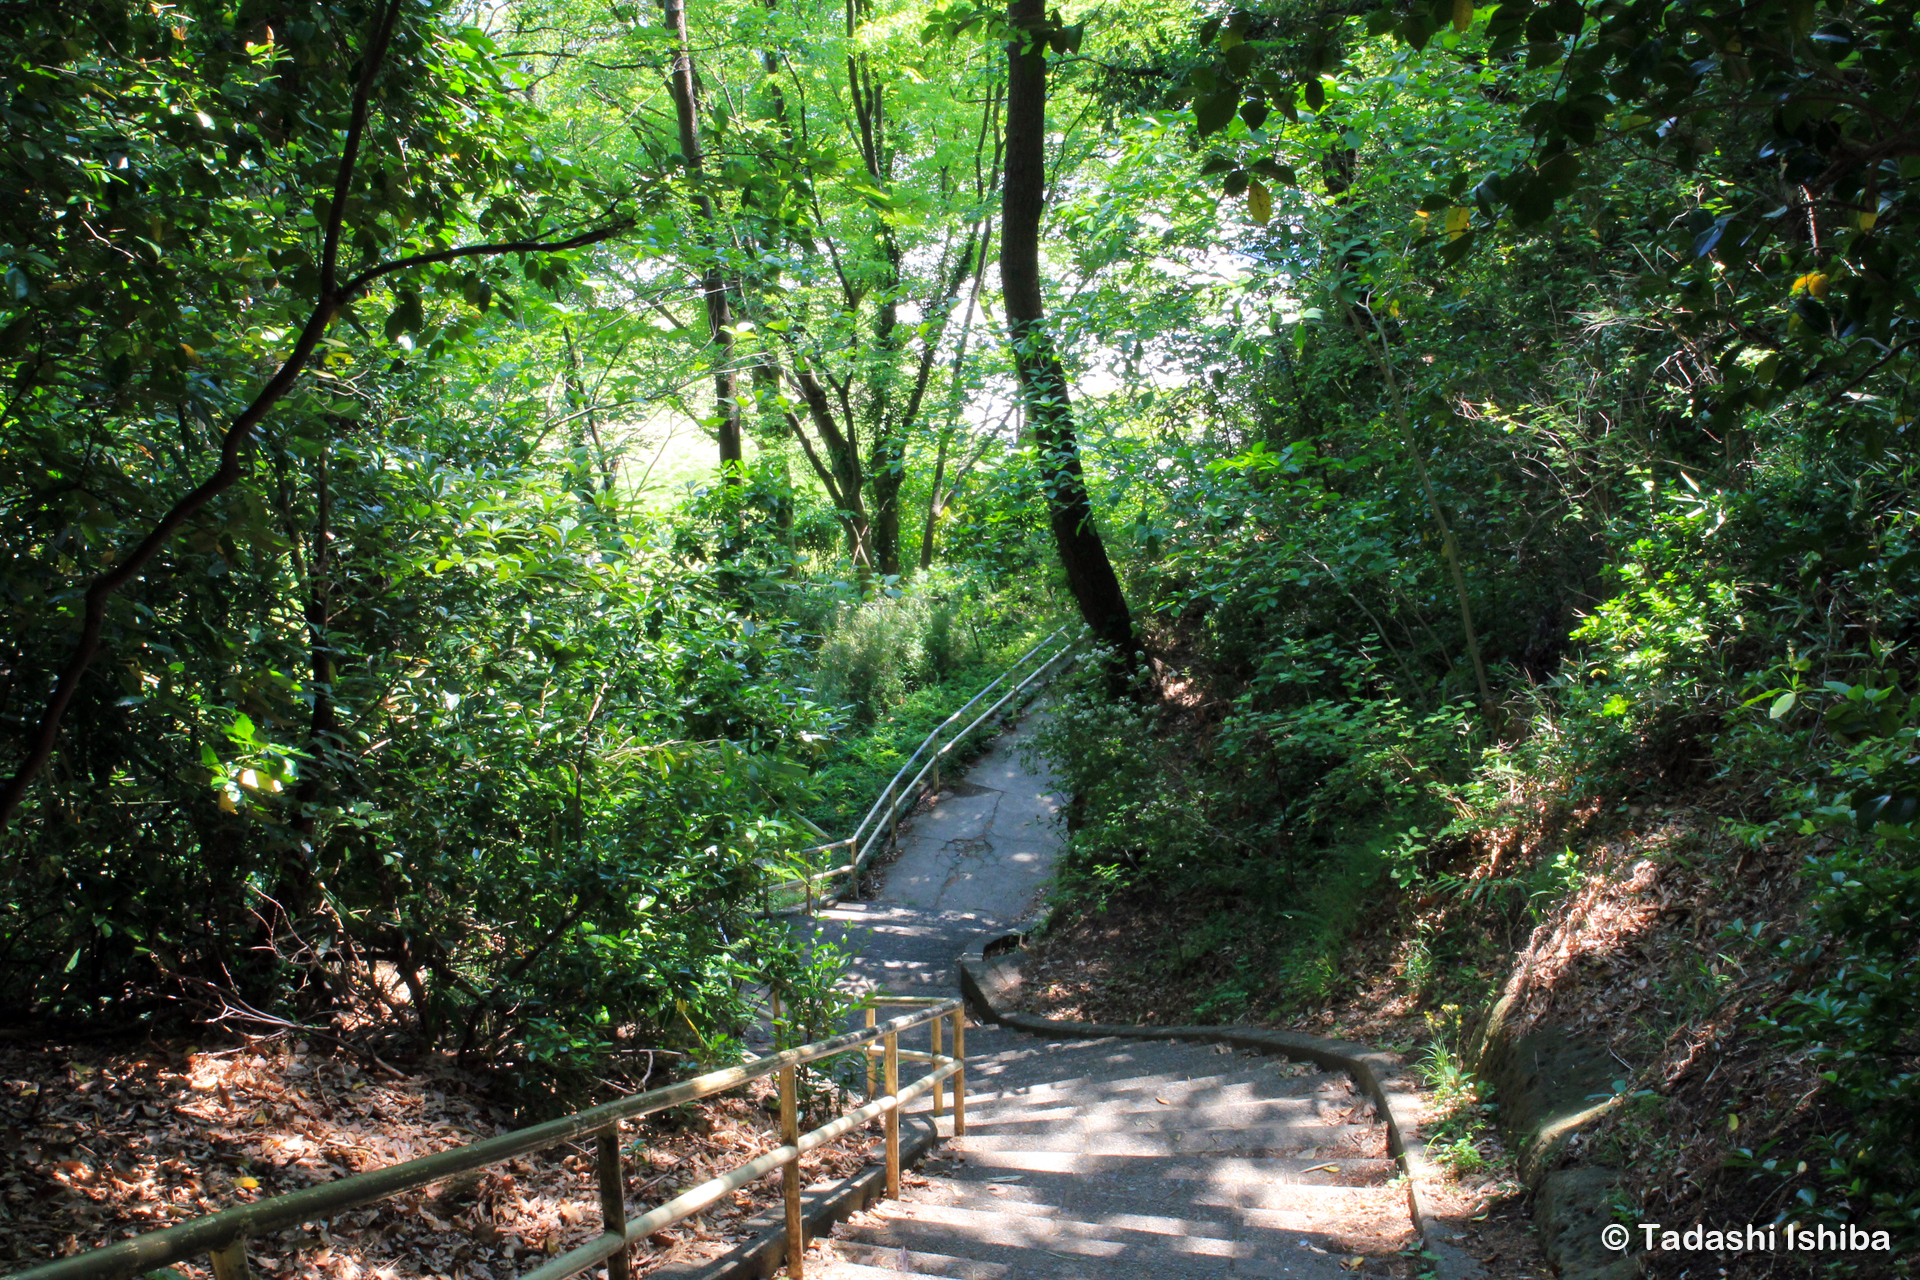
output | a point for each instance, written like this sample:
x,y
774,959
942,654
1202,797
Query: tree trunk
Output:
x,y
936,500
840,472
887,448
713,281
1043,382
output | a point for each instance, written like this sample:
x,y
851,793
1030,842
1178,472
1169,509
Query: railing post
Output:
x,y
866,1051
613,1197
934,1027
230,1260
960,1076
893,1116
790,1176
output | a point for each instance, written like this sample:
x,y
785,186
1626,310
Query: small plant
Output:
x,y
1405,856
1227,1000
1454,1138
1551,882
1459,1154
1418,967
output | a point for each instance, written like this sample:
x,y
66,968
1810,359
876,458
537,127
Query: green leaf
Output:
x,y
1454,250
1561,173
408,316
1212,113
1273,169
1530,199
1782,705
1316,94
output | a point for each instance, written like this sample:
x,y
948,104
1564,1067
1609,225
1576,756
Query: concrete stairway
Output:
x,y
1118,1159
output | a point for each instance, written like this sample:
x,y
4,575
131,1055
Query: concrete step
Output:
x,y
1216,1169
1251,1095
1085,1090
1306,1267
1092,1198
1266,1141
892,1262
1071,1083
1144,1246
1248,1233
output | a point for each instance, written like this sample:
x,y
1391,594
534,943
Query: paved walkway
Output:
x,y
1103,1159
978,860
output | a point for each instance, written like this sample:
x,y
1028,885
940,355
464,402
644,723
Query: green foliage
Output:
x,y
1461,1113
877,651
966,634
1656,665
1857,1018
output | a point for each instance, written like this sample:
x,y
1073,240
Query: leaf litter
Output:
x,y
97,1145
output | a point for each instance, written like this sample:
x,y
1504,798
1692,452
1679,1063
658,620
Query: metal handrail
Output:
x,y
223,1235
894,797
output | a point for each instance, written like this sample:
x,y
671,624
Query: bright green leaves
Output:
x,y
987,22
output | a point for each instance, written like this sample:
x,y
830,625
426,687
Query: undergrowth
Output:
x,y
1696,843
898,665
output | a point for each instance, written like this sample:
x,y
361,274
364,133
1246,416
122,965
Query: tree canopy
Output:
x,y
486,488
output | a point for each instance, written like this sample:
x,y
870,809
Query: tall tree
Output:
x,y
713,280
1043,381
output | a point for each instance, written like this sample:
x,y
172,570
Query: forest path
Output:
x,y
977,860
1108,1159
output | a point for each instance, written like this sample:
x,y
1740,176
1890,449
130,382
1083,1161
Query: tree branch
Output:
x,y
333,297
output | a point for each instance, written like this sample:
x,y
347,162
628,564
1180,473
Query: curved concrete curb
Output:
x,y
822,1205
989,984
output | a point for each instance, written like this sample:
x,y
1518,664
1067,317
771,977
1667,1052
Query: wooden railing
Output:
x,y
904,791
223,1236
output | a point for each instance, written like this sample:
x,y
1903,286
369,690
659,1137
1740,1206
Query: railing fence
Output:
x,y
223,1236
903,792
